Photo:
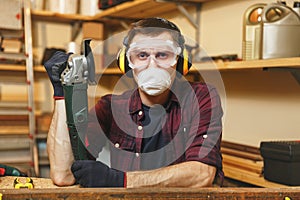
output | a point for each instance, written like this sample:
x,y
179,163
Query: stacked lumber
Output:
x,y
15,142
244,163
18,124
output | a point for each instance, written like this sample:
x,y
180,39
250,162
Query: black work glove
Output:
x,y
90,173
54,67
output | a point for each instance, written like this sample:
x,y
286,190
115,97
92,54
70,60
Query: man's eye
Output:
x,y
162,55
142,55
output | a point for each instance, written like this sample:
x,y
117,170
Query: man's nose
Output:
x,y
152,62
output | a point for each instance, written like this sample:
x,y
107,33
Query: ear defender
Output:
x,y
184,62
122,61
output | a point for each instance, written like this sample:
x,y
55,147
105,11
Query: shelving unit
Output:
x,y
18,145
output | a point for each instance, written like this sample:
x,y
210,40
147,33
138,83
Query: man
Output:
x,y
164,133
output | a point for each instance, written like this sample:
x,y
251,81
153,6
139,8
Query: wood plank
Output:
x,y
241,154
162,9
14,117
148,9
249,177
140,9
14,142
39,183
241,147
12,67
152,193
249,165
57,17
14,130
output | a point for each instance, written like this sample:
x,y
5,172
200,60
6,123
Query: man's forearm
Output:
x,y
59,147
187,174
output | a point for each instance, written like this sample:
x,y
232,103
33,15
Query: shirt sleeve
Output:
x,y
206,129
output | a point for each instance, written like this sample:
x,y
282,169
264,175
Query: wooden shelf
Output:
x,y
218,65
40,15
130,10
20,68
251,64
12,67
137,9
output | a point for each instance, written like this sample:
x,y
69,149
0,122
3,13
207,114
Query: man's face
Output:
x,y
153,60
153,51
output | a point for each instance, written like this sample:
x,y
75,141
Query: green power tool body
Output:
x,y
79,73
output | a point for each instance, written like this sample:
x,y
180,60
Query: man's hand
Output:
x,y
90,173
54,67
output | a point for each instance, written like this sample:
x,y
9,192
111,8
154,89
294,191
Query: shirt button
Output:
x,y
140,128
137,154
117,145
204,136
140,113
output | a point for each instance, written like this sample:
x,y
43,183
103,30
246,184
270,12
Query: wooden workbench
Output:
x,y
44,189
7,182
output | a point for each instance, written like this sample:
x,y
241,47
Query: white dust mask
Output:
x,y
154,80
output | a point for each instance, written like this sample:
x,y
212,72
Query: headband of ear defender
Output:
x,y
184,60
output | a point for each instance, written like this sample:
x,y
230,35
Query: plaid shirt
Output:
x,y
191,132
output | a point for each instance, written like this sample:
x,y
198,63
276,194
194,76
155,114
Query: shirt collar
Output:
x,y
135,102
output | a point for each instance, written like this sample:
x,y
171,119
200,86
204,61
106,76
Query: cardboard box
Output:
x,y
93,30
11,14
97,49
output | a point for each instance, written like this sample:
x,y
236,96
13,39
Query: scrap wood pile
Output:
x,y
244,163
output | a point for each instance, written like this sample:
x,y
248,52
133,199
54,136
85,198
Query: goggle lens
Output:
x,y
164,55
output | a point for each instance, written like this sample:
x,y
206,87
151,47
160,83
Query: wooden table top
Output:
x,y
45,189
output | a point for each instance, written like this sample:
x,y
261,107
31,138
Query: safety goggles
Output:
x,y
163,52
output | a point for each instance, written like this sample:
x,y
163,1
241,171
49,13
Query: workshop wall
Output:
x,y
260,105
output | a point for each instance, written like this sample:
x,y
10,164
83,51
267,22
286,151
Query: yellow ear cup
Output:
x,y
121,60
185,67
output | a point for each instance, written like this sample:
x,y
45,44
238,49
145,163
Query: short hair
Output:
x,y
154,26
